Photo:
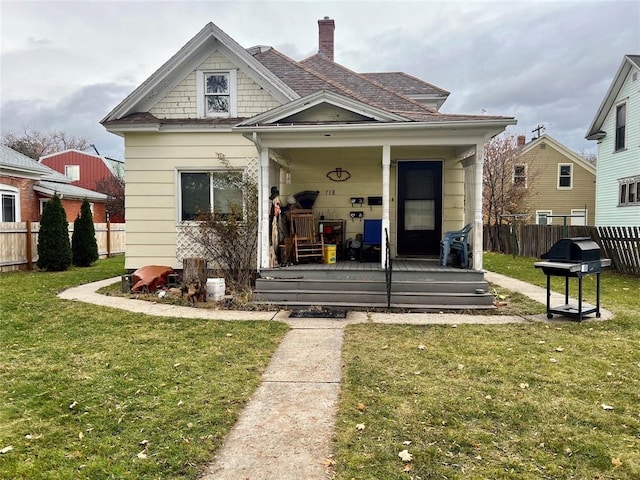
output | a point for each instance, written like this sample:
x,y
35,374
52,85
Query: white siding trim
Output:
x,y
15,193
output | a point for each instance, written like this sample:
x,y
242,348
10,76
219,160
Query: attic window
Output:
x,y
72,171
216,93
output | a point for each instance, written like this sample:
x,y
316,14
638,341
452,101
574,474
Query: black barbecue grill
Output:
x,y
573,258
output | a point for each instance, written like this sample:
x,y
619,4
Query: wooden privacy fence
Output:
x,y
19,243
620,244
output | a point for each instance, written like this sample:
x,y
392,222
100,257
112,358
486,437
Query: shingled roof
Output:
x,y
387,91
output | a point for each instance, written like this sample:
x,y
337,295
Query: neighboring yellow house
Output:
x,y
563,184
296,125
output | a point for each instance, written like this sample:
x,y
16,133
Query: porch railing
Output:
x,y
388,266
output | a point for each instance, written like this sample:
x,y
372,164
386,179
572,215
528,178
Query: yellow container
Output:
x,y
329,253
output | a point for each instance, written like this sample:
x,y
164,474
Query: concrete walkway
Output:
x,y
286,429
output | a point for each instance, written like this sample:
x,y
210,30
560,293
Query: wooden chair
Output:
x,y
307,244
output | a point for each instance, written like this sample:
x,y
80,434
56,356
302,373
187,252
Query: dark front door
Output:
x,y
419,208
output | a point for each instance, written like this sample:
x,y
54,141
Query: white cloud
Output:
x,y
543,61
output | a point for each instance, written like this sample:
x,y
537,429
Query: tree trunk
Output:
x,y
194,278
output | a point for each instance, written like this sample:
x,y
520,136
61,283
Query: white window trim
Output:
x,y
178,194
579,211
615,126
15,193
546,212
570,187
233,94
628,181
72,168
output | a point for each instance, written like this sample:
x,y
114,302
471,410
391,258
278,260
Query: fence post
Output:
x,y
29,247
108,238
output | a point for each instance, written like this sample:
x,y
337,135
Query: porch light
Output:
x,y
287,178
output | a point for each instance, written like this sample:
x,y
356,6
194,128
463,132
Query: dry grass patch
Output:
x,y
533,401
92,392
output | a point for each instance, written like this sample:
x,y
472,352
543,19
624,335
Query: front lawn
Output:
x,y
92,392
535,401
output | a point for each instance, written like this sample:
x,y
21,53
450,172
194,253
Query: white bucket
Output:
x,y
215,289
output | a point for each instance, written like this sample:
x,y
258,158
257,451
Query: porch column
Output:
x,y
263,219
477,208
386,163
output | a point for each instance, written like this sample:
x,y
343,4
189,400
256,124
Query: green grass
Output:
x,y
496,402
97,393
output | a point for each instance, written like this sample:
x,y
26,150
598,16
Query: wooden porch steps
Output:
x,y
459,290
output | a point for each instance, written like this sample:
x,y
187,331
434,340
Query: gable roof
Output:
x,y
318,98
553,143
50,181
319,73
192,54
288,81
628,62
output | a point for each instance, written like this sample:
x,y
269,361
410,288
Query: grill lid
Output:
x,y
573,250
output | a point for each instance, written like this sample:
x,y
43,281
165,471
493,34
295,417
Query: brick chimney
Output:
x,y
521,140
326,26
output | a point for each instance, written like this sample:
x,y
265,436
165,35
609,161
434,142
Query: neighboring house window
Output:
x,y
628,191
565,177
520,175
578,217
9,204
209,192
72,171
542,217
217,93
621,122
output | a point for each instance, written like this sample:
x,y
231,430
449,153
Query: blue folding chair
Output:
x,y
372,236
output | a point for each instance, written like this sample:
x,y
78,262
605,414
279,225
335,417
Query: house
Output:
x,y
374,146
26,185
86,170
563,183
616,127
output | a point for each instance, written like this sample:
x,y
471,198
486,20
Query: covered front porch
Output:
x,y
417,187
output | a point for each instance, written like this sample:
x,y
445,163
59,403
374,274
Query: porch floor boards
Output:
x,y
399,265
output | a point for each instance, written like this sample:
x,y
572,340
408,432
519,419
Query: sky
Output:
x,y
65,65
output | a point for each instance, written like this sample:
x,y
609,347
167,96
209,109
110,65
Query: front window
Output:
x,y
72,171
9,204
564,175
543,217
621,122
520,175
214,192
217,93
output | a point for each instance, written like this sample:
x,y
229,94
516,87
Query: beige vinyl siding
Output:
x,y
181,102
542,181
152,160
309,168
